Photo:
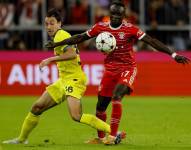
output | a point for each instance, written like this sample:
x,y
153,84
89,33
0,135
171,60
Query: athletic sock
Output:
x,y
95,122
29,124
101,115
115,116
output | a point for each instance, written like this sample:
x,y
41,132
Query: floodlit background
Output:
x,y
21,21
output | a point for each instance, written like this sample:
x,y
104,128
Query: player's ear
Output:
x,y
59,23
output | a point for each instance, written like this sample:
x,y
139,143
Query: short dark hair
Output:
x,y
117,2
53,12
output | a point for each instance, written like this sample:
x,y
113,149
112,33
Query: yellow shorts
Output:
x,y
67,87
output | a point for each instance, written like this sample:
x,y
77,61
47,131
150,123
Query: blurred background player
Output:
x,y
70,86
120,65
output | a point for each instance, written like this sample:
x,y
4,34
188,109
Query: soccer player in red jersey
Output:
x,y
120,65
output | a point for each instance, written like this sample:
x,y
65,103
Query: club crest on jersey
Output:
x,y
121,35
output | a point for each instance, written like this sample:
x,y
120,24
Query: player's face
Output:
x,y
52,25
116,15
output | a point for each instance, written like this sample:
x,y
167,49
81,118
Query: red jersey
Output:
x,y
122,57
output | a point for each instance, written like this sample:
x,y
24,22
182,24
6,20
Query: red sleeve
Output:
x,y
137,32
94,31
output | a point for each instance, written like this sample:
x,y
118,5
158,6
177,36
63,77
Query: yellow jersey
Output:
x,y
67,68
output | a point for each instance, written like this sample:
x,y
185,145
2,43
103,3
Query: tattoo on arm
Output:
x,y
157,44
74,39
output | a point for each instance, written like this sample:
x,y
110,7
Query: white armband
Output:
x,y
174,55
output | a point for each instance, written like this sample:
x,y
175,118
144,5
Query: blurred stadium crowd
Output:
x,y
21,21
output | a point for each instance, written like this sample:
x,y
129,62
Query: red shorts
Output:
x,y
111,79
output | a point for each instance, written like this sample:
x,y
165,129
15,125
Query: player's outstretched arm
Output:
x,y
163,48
78,38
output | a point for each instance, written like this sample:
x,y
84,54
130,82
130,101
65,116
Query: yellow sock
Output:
x,y
95,122
29,124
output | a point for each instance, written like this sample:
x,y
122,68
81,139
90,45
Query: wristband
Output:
x,y
174,55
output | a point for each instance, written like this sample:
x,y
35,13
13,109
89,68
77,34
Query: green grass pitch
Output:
x,y
151,123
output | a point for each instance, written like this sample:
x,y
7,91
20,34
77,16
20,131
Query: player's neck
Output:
x,y
115,26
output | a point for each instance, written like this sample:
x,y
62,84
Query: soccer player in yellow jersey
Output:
x,y
70,86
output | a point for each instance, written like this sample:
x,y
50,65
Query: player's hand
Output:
x,y
44,63
50,45
181,59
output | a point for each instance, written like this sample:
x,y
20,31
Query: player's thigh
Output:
x,y
75,108
75,87
57,90
128,78
44,102
107,84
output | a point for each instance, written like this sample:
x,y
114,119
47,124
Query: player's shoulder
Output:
x,y
127,24
103,23
61,34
